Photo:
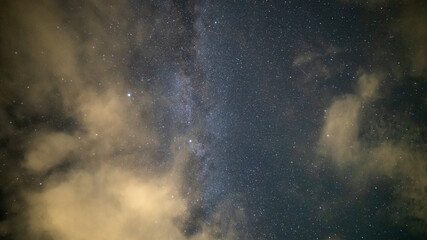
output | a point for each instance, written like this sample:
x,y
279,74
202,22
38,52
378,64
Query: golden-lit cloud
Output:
x,y
95,178
106,203
341,142
339,138
413,30
49,150
397,158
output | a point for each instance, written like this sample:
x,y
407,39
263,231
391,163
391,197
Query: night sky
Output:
x,y
204,120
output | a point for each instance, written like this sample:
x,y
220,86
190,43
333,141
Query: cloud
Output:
x,y
339,134
107,203
339,138
89,150
410,26
48,150
341,142
314,64
397,157
413,30
368,86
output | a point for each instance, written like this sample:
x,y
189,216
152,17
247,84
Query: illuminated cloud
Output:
x,y
88,185
107,203
89,151
339,138
398,158
341,142
413,30
49,150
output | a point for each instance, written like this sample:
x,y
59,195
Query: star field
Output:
x,y
213,119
